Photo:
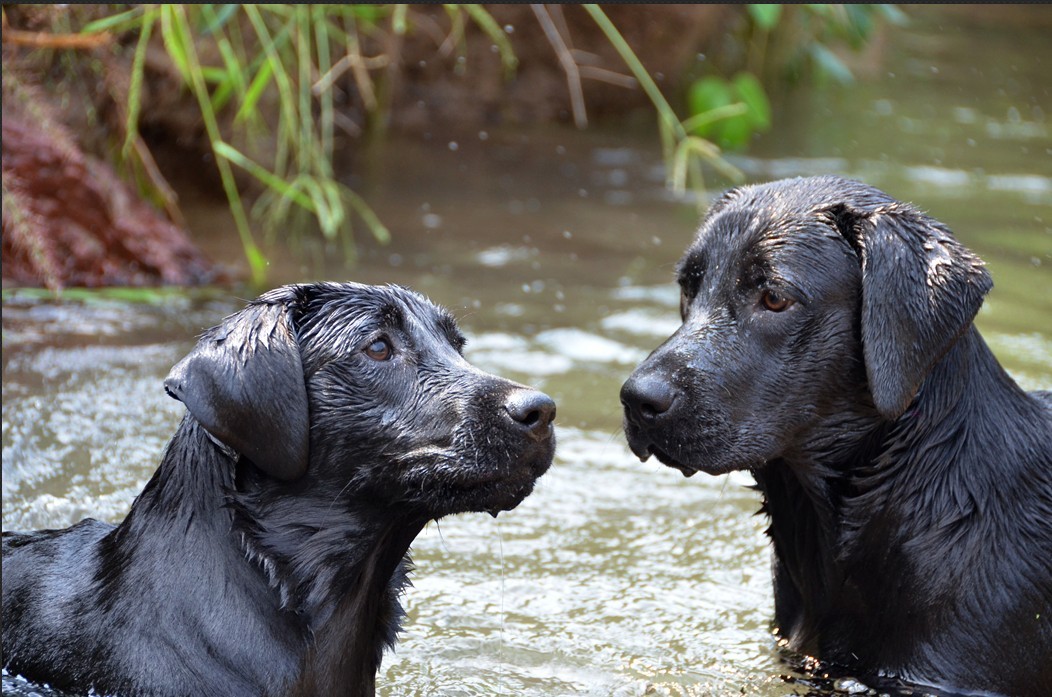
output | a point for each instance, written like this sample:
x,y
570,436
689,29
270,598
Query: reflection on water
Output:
x,y
555,251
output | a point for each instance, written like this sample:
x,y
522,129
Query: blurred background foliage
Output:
x,y
280,91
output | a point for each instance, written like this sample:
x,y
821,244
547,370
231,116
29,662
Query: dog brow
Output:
x,y
448,325
690,270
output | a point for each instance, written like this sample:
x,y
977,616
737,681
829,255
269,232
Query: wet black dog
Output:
x,y
327,424
827,346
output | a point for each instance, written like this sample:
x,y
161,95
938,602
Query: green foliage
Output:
x,y
732,112
728,112
264,52
241,62
765,16
685,152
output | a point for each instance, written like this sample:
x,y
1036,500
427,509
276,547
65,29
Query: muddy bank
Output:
x,y
69,220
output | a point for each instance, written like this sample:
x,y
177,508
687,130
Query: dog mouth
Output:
x,y
669,461
644,450
453,481
497,494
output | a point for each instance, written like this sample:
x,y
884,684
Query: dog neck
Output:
x,y
839,524
348,647
331,571
339,563
951,440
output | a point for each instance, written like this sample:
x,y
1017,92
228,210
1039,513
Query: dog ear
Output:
x,y
921,289
244,383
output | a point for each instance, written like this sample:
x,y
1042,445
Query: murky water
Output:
x,y
555,250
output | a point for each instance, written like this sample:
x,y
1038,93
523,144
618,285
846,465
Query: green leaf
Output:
x,y
735,133
131,125
765,16
496,34
254,92
398,21
217,20
117,23
751,93
265,176
717,114
378,229
705,95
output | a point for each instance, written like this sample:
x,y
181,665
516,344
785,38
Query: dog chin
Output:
x,y
688,468
495,495
492,498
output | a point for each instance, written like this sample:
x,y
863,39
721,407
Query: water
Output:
x,y
555,250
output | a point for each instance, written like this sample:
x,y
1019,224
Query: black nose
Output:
x,y
533,411
646,397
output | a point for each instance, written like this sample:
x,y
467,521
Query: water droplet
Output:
x,y
453,145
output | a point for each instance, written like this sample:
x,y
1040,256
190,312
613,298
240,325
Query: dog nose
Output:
x,y
646,397
531,410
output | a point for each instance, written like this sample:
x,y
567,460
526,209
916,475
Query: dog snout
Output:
x,y
531,411
646,396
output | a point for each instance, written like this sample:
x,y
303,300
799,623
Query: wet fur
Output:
x,y
907,478
279,573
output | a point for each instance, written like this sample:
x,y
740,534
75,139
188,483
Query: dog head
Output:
x,y
800,300
364,390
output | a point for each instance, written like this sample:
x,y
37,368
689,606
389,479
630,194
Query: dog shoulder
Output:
x,y
39,564
1044,398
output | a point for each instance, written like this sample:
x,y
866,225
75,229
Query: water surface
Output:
x,y
555,250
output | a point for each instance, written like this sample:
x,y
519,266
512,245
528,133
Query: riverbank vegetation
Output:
x,y
274,96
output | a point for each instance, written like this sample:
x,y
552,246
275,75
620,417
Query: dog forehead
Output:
x,y
763,225
342,315
725,239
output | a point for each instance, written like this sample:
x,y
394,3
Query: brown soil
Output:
x,y
68,220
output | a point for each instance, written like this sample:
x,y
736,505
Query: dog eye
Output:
x,y
774,301
379,350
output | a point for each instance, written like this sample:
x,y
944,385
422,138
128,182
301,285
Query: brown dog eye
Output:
x,y
379,350
774,302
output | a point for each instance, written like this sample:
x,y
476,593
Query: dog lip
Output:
x,y
668,461
639,448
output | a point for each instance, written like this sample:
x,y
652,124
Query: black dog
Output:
x,y
827,346
327,424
